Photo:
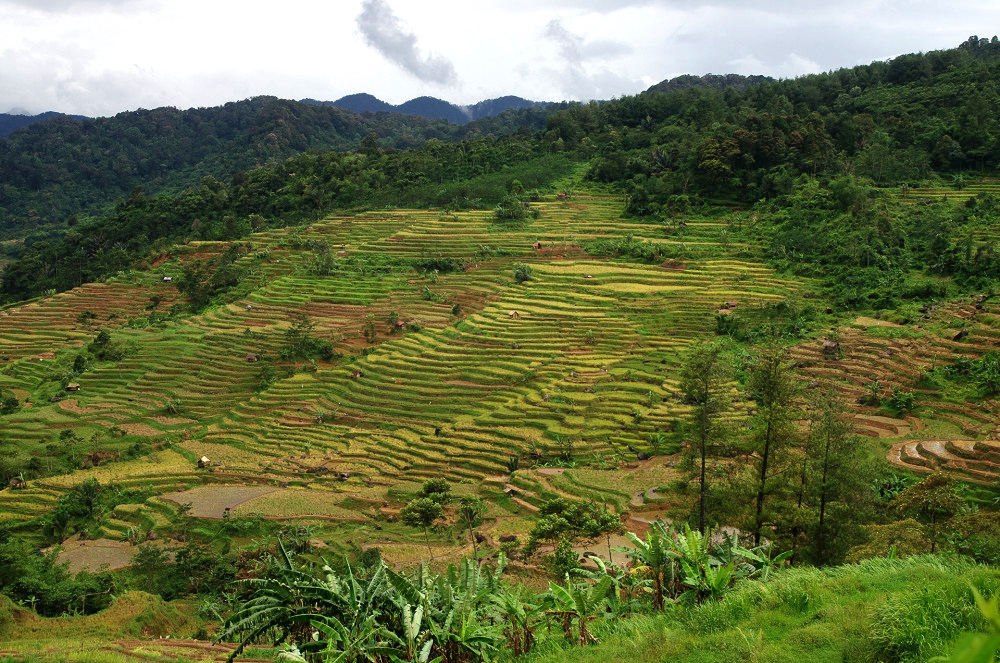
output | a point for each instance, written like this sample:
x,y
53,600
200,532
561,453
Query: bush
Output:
x,y
902,401
522,272
510,211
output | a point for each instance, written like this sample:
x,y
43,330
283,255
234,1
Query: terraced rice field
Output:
x,y
954,434
580,360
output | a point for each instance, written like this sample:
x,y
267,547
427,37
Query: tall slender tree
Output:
x,y
703,383
773,389
837,481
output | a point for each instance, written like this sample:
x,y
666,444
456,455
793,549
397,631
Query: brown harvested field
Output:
x,y
212,501
91,555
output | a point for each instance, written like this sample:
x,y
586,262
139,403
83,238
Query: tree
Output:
x,y
510,211
838,482
563,518
149,564
932,502
86,495
422,512
773,433
703,380
437,489
470,511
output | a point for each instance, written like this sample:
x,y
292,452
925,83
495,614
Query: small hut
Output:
x,y
960,335
513,315
168,279
358,373
73,386
17,483
251,358
831,346
204,462
536,245
562,195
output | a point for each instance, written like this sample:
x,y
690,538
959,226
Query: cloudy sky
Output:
x,y
100,57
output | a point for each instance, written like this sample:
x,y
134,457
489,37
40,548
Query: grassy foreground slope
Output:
x,y
899,610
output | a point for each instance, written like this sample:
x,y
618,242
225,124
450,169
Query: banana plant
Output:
x,y
655,559
581,602
626,585
417,641
451,605
520,619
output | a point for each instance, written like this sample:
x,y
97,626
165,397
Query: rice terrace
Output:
x,y
708,373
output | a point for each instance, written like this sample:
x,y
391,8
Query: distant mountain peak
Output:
x,y
738,82
430,107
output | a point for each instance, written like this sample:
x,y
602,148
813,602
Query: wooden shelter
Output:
x,y
251,358
73,386
204,462
513,315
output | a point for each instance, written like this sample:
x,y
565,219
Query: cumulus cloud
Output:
x,y
383,31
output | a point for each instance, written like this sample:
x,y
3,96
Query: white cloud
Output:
x,y
384,32
104,56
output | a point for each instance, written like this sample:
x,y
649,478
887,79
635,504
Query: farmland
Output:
x,y
441,372
577,362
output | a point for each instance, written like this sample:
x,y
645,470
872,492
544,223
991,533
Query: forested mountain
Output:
x,y
431,107
713,81
62,167
810,152
10,123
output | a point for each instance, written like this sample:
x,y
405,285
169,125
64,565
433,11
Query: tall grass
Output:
x,y
886,611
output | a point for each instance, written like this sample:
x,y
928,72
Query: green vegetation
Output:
x,y
763,314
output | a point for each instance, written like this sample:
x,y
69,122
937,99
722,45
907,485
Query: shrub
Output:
x,y
522,272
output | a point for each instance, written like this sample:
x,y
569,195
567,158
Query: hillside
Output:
x,y
10,123
568,371
62,167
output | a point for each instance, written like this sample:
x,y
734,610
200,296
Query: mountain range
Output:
x,y
11,122
431,107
